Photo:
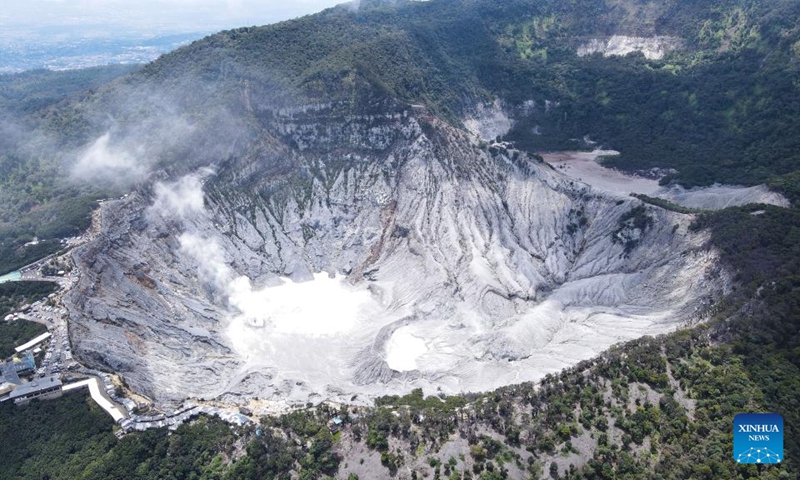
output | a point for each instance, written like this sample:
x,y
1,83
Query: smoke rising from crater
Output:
x,y
284,308
180,199
121,157
137,129
103,162
210,259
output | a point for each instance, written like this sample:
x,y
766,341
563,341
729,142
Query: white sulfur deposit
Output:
x,y
322,307
403,350
489,121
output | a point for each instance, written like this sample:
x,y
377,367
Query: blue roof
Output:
x,y
9,373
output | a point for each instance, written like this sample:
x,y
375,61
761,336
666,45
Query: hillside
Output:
x,y
717,105
36,198
351,207
716,100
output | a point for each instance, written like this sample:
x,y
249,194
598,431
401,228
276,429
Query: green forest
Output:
x,y
15,254
31,91
71,437
15,294
723,108
13,334
36,196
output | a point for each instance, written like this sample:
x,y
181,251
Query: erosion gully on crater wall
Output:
x,y
388,252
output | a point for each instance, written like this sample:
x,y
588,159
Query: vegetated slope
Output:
x,y
71,437
36,196
16,333
722,106
719,105
31,91
15,254
15,294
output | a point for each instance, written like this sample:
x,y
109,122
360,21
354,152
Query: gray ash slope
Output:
x,y
334,144
505,269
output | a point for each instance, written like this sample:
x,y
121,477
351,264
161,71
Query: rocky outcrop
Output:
x,y
490,121
653,48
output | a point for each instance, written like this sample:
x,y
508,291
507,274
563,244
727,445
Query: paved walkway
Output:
x,y
98,397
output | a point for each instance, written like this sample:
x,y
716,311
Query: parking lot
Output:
x,y
58,354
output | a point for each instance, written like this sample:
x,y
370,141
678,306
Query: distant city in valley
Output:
x,y
59,49
42,34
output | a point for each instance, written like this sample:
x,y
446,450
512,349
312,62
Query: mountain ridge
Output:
x,y
719,109
454,56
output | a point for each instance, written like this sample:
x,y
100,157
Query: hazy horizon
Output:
x,y
71,34
154,16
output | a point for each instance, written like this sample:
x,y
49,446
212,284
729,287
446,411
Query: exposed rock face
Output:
x,y
653,48
489,121
467,268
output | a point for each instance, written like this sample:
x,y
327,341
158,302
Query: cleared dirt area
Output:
x,y
585,167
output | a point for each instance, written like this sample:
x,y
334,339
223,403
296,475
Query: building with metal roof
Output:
x,y
41,338
44,388
9,373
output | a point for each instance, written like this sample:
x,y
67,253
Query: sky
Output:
x,y
151,16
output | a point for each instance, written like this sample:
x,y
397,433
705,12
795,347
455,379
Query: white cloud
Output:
x,y
105,163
